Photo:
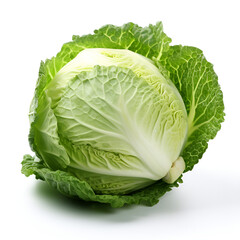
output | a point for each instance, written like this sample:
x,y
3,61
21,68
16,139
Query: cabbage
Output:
x,y
119,115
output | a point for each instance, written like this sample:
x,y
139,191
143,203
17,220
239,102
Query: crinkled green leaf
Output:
x,y
71,186
198,85
150,41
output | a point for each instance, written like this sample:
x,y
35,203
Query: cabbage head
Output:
x,y
119,115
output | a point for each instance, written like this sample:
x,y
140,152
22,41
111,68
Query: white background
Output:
x,y
205,206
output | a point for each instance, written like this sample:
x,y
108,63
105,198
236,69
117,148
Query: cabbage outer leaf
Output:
x,y
198,85
71,186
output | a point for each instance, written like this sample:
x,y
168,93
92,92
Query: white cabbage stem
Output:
x,y
175,171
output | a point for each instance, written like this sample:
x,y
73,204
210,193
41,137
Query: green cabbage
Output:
x,y
119,115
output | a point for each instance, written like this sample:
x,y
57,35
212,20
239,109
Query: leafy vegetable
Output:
x,y
119,115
